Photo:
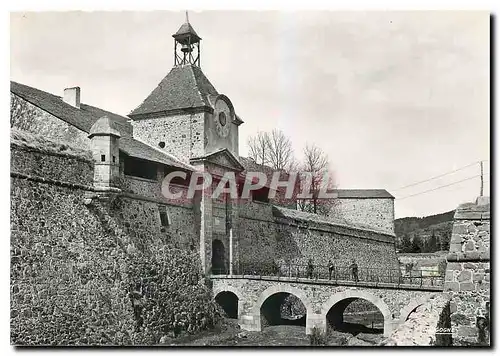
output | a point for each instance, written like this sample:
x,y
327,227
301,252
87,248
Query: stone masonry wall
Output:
x,y
468,273
67,258
376,213
37,121
425,326
262,238
183,134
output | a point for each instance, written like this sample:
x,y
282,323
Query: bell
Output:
x,y
186,48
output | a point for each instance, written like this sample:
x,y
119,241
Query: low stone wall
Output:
x,y
427,325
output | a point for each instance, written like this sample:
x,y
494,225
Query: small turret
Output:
x,y
105,151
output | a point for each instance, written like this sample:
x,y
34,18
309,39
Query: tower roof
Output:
x,y
186,31
104,127
184,87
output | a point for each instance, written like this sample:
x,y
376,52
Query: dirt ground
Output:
x,y
229,334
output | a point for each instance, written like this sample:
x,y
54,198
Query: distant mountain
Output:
x,y
427,234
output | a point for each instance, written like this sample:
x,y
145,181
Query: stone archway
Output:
x,y
228,301
269,292
414,304
237,294
357,294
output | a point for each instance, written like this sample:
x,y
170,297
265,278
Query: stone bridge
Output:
x,y
249,294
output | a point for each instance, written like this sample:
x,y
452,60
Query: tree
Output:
x,y
405,244
416,244
315,168
273,149
280,151
258,146
432,243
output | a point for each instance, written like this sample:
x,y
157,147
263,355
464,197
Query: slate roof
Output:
x,y
104,126
82,118
184,87
136,148
364,194
85,117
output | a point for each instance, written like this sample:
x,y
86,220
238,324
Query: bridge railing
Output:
x,y
336,274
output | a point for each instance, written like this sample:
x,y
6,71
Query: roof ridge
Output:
x,y
197,85
77,123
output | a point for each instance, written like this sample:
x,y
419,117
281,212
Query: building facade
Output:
x,y
186,125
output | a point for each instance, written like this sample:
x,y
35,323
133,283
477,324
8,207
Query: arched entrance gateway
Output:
x,y
218,257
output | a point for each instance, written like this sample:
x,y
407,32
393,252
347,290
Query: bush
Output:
x,y
318,338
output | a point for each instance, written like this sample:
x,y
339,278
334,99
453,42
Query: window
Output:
x,y
103,158
139,168
261,195
114,159
164,219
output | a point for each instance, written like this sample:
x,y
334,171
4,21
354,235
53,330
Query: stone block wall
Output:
x,y
28,161
427,325
376,213
266,238
183,135
68,250
28,117
468,273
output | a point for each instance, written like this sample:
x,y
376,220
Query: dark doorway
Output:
x,y
218,257
282,309
354,316
229,303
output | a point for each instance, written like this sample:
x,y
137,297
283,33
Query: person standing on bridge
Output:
x,y
354,270
330,269
310,269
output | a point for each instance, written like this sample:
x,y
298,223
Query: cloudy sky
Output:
x,y
394,98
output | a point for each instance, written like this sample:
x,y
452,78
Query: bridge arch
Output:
x,y
232,306
359,294
408,309
282,288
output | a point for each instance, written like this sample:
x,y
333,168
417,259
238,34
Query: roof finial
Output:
x,y
187,17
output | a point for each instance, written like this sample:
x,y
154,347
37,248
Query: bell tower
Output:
x,y
186,45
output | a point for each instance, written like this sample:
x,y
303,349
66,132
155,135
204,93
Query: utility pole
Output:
x,y
482,179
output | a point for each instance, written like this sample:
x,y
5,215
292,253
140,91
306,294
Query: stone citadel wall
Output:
x,y
377,213
265,236
67,254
